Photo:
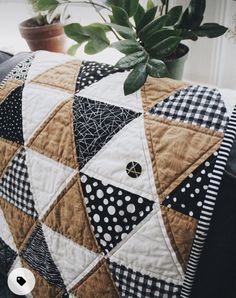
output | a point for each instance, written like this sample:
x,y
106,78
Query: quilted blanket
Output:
x,y
105,195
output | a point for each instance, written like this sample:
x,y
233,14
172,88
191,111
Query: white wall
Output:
x,y
211,61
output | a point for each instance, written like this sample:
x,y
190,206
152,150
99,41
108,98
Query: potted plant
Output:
x,y
150,37
44,31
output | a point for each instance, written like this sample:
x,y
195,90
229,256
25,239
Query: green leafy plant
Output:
x,y
147,36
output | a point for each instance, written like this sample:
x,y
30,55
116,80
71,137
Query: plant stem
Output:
x,y
89,2
167,6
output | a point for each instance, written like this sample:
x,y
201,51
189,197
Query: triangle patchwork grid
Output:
x,y
15,185
95,123
113,212
195,104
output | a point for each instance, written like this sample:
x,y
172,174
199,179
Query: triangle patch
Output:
x,y
11,117
102,91
15,218
68,208
15,186
62,76
38,104
189,196
71,259
109,207
131,148
7,257
91,72
95,123
135,284
156,90
8,88
181,231
176,150
100,276
42,285
7,151
20,71
38,257
196,105
55,138
150,243
47,188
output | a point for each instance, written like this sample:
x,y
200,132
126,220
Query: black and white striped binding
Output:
x,y
209,204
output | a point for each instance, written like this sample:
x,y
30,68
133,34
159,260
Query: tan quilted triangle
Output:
x,y
19,222
7,151
156,90
62,76
55,138
177,149
42,288
99,279
181,231
69,208
8,87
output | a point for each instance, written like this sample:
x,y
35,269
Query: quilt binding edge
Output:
x,y
208,205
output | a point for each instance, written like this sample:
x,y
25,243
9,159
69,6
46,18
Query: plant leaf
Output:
x,y
98,40
210,30
160,35
152,27
125,32
150,4
135,79
130,6
120,16
165,47
193,15
131,60
127,46
186,34
76,32
173,15
44,5
156,68
140,12
147,18
72,50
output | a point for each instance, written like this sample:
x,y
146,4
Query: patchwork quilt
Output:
x,y
101,194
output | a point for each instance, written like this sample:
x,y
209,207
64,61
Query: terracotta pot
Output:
x,y
47,37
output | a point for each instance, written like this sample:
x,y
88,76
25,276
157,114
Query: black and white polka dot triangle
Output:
x,y
91,72
11,117
113,212
188,197
15,185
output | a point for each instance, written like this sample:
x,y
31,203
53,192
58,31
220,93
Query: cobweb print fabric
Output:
x,y
197,105
95,123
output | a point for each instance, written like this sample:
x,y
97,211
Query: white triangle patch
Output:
x,y
153,254
46,187
5,232
110,90
38,102
109,164
71,259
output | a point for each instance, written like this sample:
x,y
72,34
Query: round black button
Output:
x,y
133,169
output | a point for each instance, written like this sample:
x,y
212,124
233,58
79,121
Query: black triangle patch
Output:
x,y
189,196
91,72
95,123
113,212
37,255
7,257
15,185
11,117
